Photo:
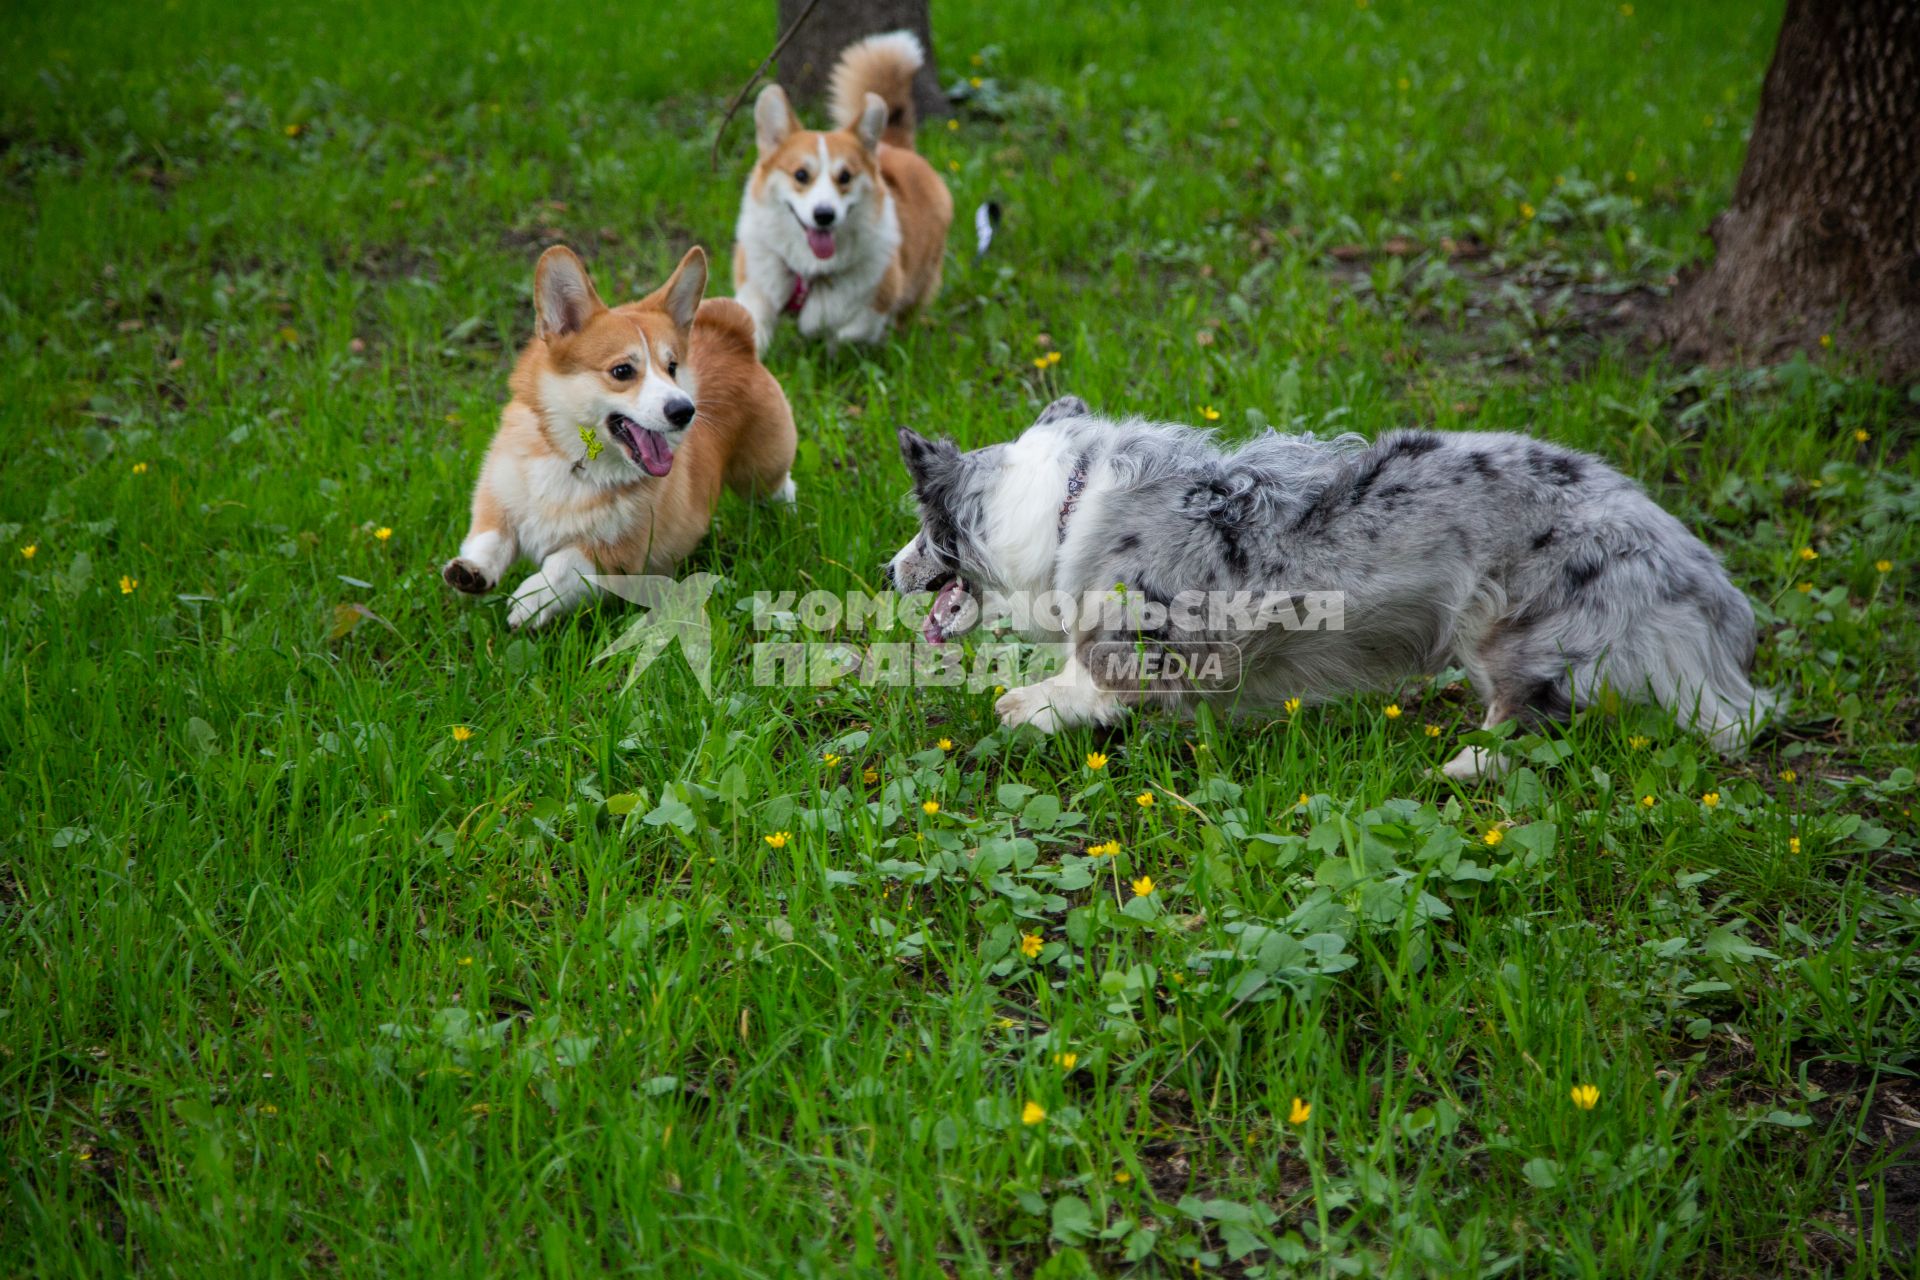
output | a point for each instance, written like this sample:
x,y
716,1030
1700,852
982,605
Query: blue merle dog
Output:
x,y
1547,575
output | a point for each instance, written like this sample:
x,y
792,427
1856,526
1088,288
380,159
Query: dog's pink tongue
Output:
x,y
821,242
656,455
941,608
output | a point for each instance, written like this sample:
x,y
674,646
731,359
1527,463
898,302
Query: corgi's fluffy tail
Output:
x,y
883,65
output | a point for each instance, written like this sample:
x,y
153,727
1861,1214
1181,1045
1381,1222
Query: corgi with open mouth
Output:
x,y
843,229
625,424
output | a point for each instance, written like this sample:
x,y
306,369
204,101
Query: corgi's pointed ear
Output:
x,y
685,288
926,459
563,295
773,120
873,119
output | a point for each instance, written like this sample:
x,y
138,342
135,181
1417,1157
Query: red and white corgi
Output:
x,y
624,424
844,229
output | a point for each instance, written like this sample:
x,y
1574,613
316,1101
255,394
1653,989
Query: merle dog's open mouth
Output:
x,y
947,616
648,449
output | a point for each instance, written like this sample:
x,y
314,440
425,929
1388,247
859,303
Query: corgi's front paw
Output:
x,y
464,575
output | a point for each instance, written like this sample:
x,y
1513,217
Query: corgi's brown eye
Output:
x,y
801,176
673,367
622,372
843,177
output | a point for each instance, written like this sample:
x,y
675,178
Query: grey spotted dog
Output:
x,y
1547,575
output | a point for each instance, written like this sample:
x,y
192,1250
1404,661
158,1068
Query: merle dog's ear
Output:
x,y
925,458
1064,407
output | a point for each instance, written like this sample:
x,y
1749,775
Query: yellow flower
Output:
x,y
1391,711
870,776
1638,742
1304,800
1433,731
1585,1096
1106,850
1291,706
127,585
1526,212
32,549
829,759
1808,553
1403,84
930,807
1788,775
1096,761
139,468
461,733
1711,799
945,744
268,1109
1039,362
778,840
1122,1177
1143,886
1210,413
954,165
1632,177
383,533
1053,358
292,130
1494,836
1300,1112
1826,341
1881,566
1030,944
1066,1061
1144,799
1862,435
465,962
1646,802
1804,588
974,81
977,60
1793,844
1032,1114
1005,1024
953,126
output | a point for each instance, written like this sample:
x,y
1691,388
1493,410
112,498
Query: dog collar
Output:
x,y
798,298
1076,484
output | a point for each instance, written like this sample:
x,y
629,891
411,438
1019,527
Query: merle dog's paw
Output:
x,y
464,575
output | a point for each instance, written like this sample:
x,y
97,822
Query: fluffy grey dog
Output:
x,y
1544,573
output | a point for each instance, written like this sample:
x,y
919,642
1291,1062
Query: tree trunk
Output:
x,y
834,24
1821,235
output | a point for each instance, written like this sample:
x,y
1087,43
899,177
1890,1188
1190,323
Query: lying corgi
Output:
x,y
842,229
623,426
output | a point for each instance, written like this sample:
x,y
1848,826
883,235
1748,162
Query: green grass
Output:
x,y
295,981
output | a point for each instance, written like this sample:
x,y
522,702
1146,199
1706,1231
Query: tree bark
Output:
x,y
1821,235
809,57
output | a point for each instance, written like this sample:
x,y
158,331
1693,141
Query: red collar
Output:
x,y
798,298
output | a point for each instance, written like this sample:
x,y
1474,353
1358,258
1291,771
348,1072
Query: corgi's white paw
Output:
x,y
786,494
464,575
1473,764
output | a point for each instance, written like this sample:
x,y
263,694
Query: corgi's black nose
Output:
x,y
679,412
823,215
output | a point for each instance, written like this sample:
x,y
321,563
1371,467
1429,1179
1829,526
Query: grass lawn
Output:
x,y
347,931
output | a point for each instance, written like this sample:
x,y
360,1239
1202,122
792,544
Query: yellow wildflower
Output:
x,y
1862,435
1585,1096
139,468
1433,731
1788,775
1526,212
953,125
1881,566
383,533
945,744
1494,836
1804,588
1096,761
930,807
1632,177
1291,706
1711,799
1808,553
1646,802
870,776
291,130
1793,844
1030,944
1032,1114
32,549
1066,1061
1304,800
268,1109
1639,742
1143,886
128,585
1210,413
829,759
1391,711
1826,342
778,840
465,962
461,733
1122,1177
1300,1112
1144,799
974,81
